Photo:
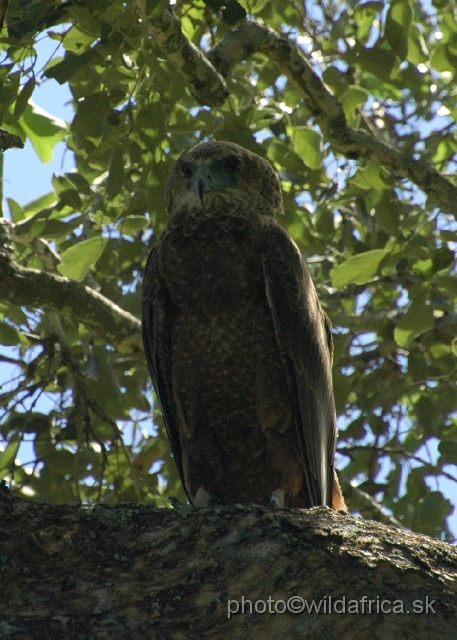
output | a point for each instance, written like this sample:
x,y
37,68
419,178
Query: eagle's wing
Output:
x,y
304,338
156,330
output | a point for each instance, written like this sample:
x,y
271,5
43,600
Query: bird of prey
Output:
x,y
237,344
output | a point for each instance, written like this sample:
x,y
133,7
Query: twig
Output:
x,y
250,37
204,82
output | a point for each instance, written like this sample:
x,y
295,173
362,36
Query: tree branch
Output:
x,y
363,502
36,289
433,469
327,110
204,77
142,572
205,83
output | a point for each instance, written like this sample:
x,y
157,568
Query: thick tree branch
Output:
x,y
328,112
205,83
136,572
37,289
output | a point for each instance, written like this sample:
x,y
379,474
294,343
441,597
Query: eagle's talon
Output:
x,y
277,499
204,498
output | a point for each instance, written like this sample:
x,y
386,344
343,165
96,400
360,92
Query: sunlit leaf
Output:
x,y
351,99
416,321
371,176
43,129
133,224
8,334
364,14
8,456
358,269
307,143
77,260
15,209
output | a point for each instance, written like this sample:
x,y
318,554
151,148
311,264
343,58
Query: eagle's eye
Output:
x,y
232,164
185,170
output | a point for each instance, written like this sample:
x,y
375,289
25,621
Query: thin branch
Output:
x,y
204,75
205,83
363,502
37,289
327,110
434,469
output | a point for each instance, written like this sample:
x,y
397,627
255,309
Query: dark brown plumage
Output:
x,y
237,344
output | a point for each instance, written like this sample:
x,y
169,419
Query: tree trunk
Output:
x,y
131,572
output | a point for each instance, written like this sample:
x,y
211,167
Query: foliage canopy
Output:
x,y
366,162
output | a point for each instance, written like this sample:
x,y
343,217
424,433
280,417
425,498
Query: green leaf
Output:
x,y
444,59
16,211
79,182
59,230
91,116
431,513
380,62
154,8
253,6
371,176
116,175
398,21
454,346
364,15
447,284
133,224
29,422
63,71
358,269
448,451
43,129
9,336
351,99
48,200
416,321
307,144
8,456
417,49
281,154
23,99
77,260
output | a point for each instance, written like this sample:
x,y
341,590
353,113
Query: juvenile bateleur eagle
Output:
x,y
237,344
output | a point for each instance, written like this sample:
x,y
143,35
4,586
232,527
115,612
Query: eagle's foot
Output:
x,y
175,503
277,499
204,498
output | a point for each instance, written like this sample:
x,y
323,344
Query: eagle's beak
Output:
x,y
202,181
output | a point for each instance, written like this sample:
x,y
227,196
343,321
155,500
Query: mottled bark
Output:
x,y
130,571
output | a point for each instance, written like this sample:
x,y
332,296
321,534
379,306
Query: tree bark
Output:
x,y
131,571
37,289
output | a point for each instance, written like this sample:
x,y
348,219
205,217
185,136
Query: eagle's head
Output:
x,y
221,175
